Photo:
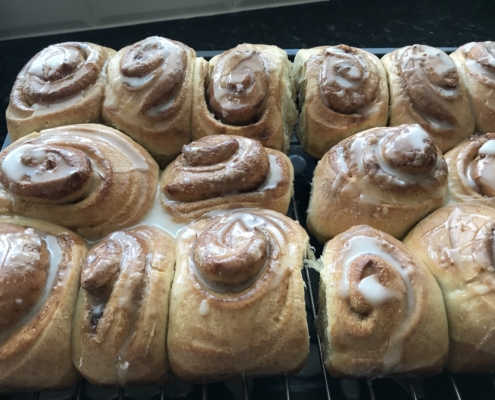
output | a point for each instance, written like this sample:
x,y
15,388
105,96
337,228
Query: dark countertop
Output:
x,y
360,23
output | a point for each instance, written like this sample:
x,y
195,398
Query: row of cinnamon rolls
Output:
x,y
157,92
160,94
226,299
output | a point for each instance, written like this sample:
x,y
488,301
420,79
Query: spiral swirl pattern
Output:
x,y
40,265
63,82
238,87
120,329
471,165
370,278
224,172
456,243
476,65
377,176
425,88
347,80
236,272
87,177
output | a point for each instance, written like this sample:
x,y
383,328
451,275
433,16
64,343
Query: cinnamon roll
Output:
x,y
218,172
121,315
39,279
388,178
61,85
342,90
381,311
456,243
88,177
149,94
471,165
245,91
476,65
237,303
425,89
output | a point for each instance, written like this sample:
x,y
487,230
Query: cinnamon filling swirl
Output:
x,y
429,77
347,80
480,61
58,73
214,166
157,65
238,87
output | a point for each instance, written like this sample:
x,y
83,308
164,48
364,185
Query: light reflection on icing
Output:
x,y
53,274
13,167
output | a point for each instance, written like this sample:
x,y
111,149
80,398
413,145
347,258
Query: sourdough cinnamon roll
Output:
x,y
61,85
388,178
88,177
238,291
219,172
149,93
381,311
39,280
456,243
245,91
471,165
342,90
476,65
121,315
425,89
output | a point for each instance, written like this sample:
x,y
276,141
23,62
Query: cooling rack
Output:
x,y
312,382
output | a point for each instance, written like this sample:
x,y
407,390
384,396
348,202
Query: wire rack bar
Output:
x,y
369,382
313,308
287,387
413,391
456,390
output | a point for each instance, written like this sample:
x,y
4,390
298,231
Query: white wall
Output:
x,y
22,18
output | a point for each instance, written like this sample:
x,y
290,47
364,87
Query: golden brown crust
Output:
x,y
252,323
331,111
470,171
149,94
425,89
268,116
121,315
44,260
221,172
61,85
102,181
382,311
388,178
456,244
476,65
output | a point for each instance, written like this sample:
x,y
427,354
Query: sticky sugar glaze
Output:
x,y
401,160
218,171
58,77
240,254
429,76
377,304
348,81
76,172
122,276
480,61
238,86
150,72
238,289
472,171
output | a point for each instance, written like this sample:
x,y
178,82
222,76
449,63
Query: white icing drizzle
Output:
x,y
488,148
358,157
13,167
73,135
349,76
15,244
374,293
159,218
358,246
204,308
275,175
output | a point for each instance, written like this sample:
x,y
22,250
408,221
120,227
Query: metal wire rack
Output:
x,y
312,382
